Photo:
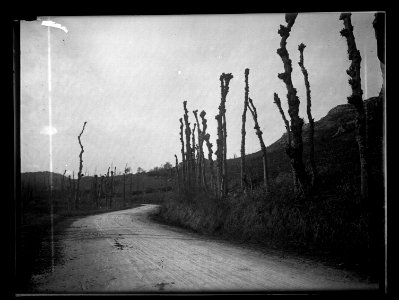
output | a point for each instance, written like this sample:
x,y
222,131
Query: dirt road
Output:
x,y
124,251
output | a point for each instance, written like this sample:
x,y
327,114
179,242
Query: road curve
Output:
x,y
124,251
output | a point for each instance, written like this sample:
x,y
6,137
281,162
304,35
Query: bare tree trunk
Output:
x,y
194,165
219,157
356,99
252,109
112,189
211,166
107,190
301,47
277,101
296,149
222,131
188,146
243,133
200,151
80,167
177,174
203,133
182,153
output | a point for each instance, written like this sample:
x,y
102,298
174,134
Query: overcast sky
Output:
x,y
128,76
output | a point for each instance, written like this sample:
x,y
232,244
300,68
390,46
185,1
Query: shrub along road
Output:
x,y
125,251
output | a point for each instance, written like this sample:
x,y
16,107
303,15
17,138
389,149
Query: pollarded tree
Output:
x,y
356,99
182,152
244,117
219,156
188,146
177,174
107,189
222,135
200,150
313,169
277,101
205,138
252,109
295,149
193,148
211,167
80,175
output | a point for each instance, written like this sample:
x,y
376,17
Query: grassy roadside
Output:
x,y
333,230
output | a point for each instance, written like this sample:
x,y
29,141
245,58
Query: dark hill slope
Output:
x,y
336,150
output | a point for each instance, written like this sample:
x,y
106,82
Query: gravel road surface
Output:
x,y
125,251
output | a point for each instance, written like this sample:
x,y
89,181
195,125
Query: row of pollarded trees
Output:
x,y
102,187
295,144
193,174
192,171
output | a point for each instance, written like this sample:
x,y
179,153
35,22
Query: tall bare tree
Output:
x,y
193,148
107,189
113,173
219,156
277,101
200,150
295,150
221,141
77,196
177,174
356,99
203,139
188,146
313,169
211,166
243,133
252,109
182,152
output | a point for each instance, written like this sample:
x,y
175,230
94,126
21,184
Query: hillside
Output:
x,y
133,182
336,151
